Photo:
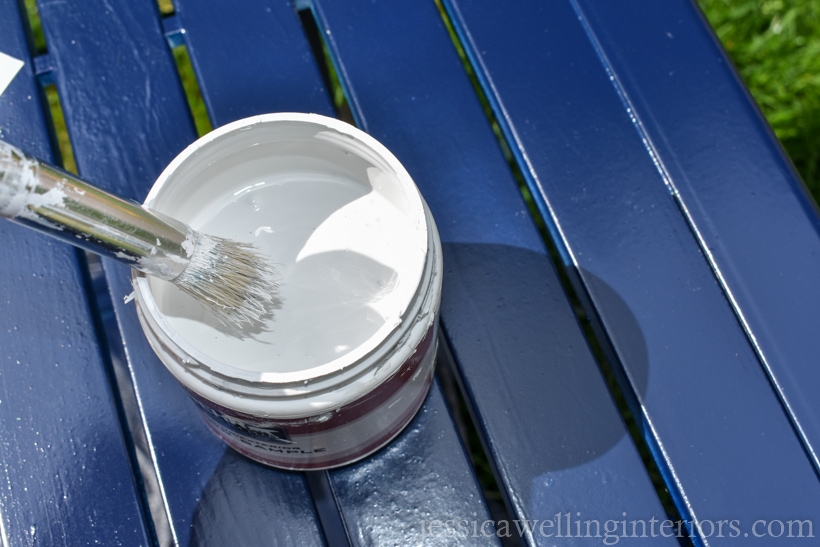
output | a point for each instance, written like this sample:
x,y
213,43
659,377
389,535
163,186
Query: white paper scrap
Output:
x,y
9,67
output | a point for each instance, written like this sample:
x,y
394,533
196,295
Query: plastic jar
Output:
x,y
346,361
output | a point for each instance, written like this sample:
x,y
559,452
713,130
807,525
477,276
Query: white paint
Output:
x,y
188,245
18,177
9,67
122,256
345,228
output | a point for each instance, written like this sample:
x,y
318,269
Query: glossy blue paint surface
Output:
x,y
552,427
251,60
61,442
609,106
744,200
716,423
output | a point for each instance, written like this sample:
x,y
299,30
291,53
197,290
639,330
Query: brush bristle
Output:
x,y
232,279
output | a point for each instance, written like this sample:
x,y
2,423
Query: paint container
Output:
x,y
347,359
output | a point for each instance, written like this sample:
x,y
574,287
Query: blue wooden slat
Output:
x,y
127,117
429,452
415,488
125,110
66,476
232,50
746,203
718,427
550,423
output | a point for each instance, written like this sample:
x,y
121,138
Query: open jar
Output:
x,y
346,361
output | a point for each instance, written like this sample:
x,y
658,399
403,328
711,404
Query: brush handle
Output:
x,y
61,205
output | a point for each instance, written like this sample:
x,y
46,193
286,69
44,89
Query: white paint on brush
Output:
x,y
123,256
18,180
188,245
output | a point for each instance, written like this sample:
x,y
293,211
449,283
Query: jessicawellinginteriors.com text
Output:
x,y
570,525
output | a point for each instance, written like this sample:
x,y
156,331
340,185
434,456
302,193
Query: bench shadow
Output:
x,y
530,370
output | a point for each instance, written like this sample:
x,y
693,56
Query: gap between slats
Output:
x,y
175,36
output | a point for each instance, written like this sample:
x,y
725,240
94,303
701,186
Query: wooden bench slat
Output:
x,y
422,477
716,423
124,107
755,217
552,427
66,474
128,118
429,451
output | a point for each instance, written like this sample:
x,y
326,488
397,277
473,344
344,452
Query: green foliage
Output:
x,y
775,45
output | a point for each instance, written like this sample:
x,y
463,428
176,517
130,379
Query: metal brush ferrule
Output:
x,y
63,206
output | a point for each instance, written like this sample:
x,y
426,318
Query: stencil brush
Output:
x,y
233,280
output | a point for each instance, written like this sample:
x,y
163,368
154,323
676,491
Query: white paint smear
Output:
x,y
9,67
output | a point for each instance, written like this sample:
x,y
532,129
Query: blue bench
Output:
x,y
681,403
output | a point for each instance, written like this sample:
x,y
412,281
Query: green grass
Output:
x,y
193,93
775,45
